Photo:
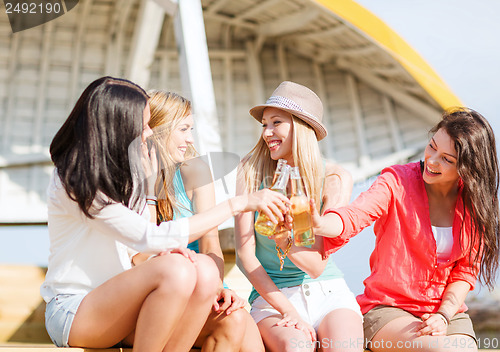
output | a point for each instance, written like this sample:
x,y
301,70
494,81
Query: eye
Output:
x,y
276,122
449,161
432,147
264,125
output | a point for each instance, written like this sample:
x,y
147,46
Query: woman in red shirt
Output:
x,y
436,223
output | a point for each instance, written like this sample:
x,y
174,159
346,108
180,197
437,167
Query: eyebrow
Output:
x,y
453,156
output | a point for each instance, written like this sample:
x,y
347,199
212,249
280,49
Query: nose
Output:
x,y
432,161
189,138
267,132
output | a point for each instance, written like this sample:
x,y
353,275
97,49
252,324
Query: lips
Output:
x,y
273,145
431,172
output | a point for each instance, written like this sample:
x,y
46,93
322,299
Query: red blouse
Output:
x,y
404,268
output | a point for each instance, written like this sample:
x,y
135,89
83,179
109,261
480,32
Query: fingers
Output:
x,y
237,303
215,305
226,300
433,325
287,321
315,217
288,223
187,253
298,324
154,160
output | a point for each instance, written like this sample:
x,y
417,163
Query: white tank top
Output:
x,y
444,242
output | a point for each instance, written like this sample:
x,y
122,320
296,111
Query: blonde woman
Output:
x,y
185,187
307,304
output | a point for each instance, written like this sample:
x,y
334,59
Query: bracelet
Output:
x,y
283,255
445,317
151,202
152,197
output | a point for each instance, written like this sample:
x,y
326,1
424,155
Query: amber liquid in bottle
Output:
x,y
301,212
263,225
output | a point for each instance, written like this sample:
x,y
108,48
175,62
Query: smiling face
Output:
x,y
277,132
180,138
440,160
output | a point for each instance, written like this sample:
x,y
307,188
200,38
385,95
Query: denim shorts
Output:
x,y
59,315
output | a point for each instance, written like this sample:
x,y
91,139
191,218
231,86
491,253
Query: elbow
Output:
x,y
314,273
239,262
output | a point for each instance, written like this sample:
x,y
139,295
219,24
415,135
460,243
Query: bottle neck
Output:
x,y
297,188
281,179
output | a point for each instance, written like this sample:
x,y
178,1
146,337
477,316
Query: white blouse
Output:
x,y
84,253
444,242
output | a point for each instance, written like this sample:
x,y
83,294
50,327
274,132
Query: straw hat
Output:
x,y
299,101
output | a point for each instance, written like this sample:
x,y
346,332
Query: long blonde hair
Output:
x,y
168,109
258,167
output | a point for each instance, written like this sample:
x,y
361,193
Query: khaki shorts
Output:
x,y
376,318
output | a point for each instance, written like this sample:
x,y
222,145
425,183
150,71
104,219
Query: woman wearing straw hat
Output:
x,y
307,304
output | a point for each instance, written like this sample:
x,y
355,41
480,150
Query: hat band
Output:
x,y
284,103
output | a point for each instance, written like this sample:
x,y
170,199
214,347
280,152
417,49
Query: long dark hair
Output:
x,y
90,150
477,166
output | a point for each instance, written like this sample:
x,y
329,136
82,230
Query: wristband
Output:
x,y
151,202
444,316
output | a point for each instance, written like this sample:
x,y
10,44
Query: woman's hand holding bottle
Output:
x,y
272,204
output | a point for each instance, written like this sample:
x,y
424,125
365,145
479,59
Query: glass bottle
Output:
x,y
300,211
263,225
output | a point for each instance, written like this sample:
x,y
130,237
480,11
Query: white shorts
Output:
x,y
313,301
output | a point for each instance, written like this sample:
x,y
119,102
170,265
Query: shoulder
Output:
x,y
195,165
408,171
195,173
406,175
335,171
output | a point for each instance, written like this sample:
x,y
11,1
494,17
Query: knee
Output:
x,y
234,325
173,271
207,275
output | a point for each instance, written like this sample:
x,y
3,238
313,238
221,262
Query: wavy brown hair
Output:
x,y
477,166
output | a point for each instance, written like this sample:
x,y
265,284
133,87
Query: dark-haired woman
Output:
x,y
436,224
97,207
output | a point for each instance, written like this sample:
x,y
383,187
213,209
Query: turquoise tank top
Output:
x,y
184,205
291,275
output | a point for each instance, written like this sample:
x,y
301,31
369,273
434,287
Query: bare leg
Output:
x,y
283,339
189,325
222,333
149,298
252,341
341,330
400,335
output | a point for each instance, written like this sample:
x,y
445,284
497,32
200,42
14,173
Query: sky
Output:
x,y
460,39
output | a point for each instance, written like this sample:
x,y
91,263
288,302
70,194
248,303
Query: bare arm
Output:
x,y
202,196
453,298
250,265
